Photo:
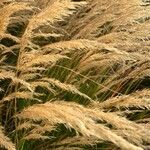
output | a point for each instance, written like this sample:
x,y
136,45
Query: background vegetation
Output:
x,y
75,74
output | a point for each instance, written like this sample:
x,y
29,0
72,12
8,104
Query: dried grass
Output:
x,y
92,53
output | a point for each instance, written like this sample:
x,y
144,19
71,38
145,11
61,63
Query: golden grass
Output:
x,y
74,74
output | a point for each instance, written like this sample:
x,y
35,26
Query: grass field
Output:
x,y
75,75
